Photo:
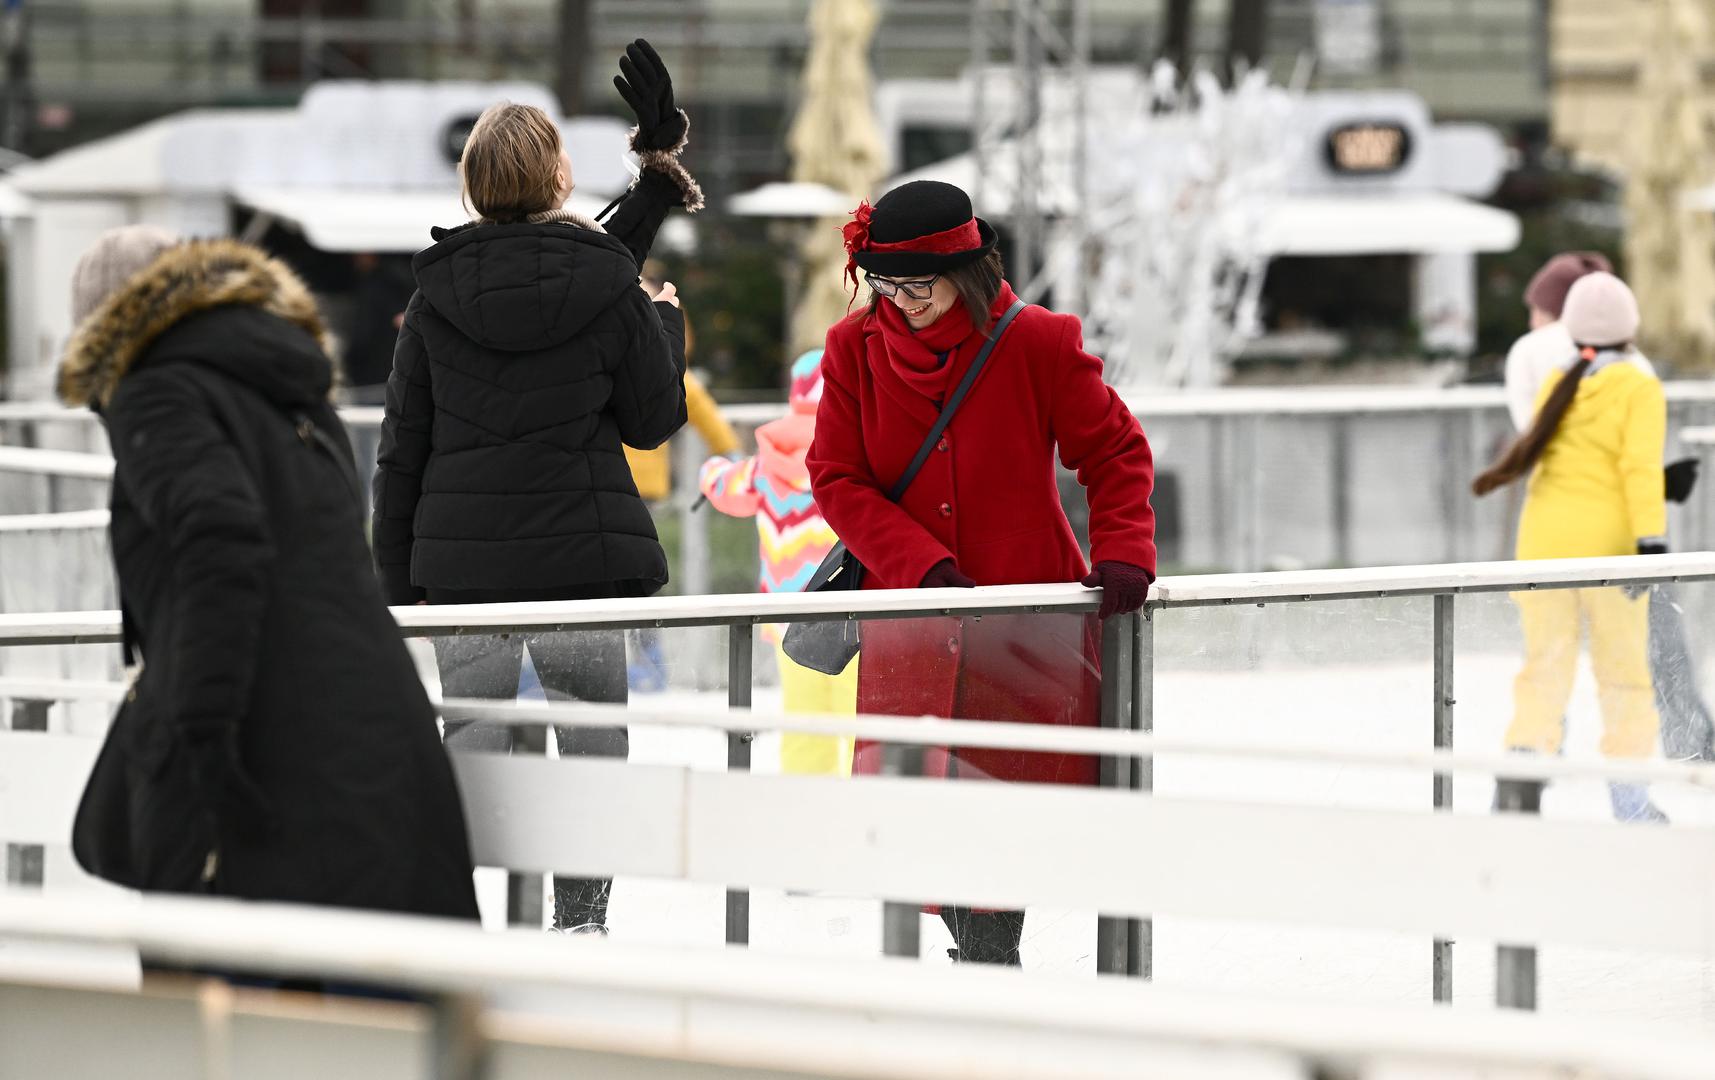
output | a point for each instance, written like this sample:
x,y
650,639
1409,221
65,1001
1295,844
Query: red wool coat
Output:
x,y
987,498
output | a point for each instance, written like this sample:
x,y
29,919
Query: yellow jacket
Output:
x,y
651,470
1598,487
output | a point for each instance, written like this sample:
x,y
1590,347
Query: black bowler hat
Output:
x,y
921,228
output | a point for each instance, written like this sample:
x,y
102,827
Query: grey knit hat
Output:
x,y
1600,311
113,260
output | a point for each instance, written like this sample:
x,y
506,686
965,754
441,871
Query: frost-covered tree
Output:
x,y
1179,185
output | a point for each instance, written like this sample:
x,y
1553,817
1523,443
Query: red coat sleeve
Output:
x,y
1104,444
893,547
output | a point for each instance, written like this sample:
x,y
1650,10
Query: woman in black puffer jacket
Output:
x,y
529,358
278,744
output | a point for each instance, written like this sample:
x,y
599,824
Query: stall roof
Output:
x,y
336,220
1373,222
791,200
141,161
1414,222
350,221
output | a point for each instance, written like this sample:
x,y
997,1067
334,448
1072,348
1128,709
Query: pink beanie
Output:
x,y
1600,311
1547,290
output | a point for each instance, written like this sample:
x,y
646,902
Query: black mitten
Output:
x,y
1681,477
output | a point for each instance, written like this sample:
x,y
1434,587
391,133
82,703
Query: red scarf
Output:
x,y
915,356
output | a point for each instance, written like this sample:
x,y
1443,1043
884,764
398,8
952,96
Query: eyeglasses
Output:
x,y
916,290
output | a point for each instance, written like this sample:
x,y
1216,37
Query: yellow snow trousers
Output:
x,y
810,691
1554,621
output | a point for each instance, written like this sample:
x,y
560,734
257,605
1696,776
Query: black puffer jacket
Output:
x,y
279,722
527,358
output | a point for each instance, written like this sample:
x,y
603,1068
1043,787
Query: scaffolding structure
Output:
x,y
1030,62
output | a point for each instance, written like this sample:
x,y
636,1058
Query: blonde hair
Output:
x,y
510,165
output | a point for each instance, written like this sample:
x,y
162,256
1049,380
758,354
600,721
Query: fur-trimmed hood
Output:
x,y
187,280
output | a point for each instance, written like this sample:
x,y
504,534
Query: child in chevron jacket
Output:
x,y
773,486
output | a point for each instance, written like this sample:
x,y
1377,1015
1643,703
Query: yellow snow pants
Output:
x,y
812,692
1554,621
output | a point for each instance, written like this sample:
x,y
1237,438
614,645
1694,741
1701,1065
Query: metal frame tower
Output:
x,y
1030,64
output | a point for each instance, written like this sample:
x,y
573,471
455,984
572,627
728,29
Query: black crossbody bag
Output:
x,y
828,647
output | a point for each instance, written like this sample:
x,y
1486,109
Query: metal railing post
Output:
x,y
1340,490
1441,961
741,638
458,1047
524,891
26,863
1515,965
1118,939
901,922
1140,959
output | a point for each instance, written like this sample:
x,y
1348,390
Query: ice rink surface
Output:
x,y
1380,706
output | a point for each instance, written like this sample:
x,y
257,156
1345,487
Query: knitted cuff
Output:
x,y
667,163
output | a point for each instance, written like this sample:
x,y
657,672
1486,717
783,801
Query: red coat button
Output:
x,y
946,509
942,445
952,645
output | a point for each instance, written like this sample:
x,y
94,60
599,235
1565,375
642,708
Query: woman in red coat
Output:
x,y
985,509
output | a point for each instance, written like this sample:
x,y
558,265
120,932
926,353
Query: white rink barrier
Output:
x,y
516,1005
1227,402
1519,879
56,463
1507,879
1228,460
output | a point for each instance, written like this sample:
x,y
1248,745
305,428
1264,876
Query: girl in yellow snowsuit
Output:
x,y
1596,490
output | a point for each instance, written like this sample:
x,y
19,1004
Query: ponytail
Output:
x,y
1522,454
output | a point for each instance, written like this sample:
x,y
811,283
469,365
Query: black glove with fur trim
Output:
x,y
645,85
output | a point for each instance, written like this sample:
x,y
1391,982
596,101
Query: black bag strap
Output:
x,y
953,403
314,437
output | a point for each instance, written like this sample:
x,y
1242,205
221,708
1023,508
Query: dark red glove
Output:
x,y
945,575
1124,587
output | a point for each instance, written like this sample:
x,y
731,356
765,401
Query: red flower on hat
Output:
x,y
856,233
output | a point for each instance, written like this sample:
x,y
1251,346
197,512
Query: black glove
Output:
x,y
945,575
645,85
1681,477
1645,547
231,799
1124,587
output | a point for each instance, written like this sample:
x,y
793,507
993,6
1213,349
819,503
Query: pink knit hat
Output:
x,y
1600,311
1547,290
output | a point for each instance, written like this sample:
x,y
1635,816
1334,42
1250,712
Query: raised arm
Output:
x,y
658,140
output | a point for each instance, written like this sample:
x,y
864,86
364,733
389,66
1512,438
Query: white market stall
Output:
x,y
355,167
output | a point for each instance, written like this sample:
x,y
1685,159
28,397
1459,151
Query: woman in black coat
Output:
x,y
278,744
528,359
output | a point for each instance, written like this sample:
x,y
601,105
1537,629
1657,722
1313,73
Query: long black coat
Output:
x,y
269,656
527,358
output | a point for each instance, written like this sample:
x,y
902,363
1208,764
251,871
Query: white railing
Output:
x,y
1232,401
67,463
699,825
1249,477
758,1015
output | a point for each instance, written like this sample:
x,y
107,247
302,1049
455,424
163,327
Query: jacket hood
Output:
x,y
525,286
212,281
